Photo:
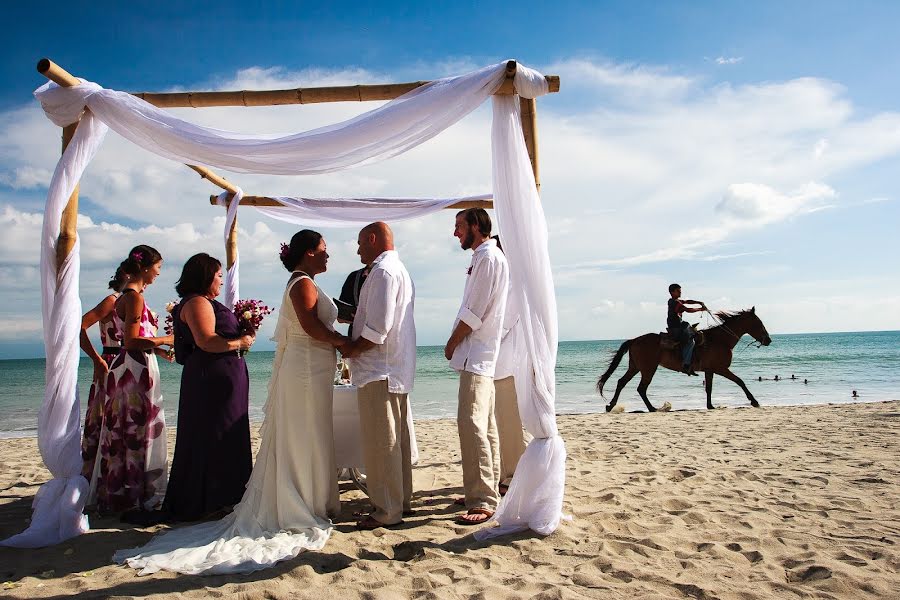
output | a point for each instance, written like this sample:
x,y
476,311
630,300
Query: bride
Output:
x,y
293,489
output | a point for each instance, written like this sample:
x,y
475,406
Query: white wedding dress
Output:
x,y
293,488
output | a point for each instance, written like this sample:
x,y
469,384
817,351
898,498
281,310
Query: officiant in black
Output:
x,y
349,298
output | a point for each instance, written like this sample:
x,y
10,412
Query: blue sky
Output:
x,y
746,150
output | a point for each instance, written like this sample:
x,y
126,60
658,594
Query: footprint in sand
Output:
x,y
813,573
753,556
851,560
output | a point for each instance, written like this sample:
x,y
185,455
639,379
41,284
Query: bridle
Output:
x,y
727,330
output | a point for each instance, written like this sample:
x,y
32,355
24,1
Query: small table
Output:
x,y
347,439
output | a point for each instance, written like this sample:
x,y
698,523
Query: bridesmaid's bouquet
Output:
x,y
250,314
170,323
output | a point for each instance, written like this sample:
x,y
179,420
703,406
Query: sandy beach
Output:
x,y
789,502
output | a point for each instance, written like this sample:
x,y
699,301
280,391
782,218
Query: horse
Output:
x,y
646,354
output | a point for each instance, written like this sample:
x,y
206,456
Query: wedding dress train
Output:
x,y
293,487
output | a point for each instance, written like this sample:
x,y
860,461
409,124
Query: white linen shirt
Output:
x,y
482,309
385,316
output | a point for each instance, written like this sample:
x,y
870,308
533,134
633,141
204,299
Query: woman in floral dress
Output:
x,y
133,439
111,342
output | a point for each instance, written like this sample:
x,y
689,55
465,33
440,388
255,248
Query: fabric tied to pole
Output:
x,y
351,212
535,495
59,503
232,273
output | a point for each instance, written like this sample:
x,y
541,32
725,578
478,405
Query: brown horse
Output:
x,y
645,354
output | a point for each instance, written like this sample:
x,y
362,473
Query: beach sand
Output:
x,y
791,502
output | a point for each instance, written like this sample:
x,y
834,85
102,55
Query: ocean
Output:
x,y
834,364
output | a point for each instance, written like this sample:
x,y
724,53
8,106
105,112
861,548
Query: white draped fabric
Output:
x,y
535,497
232,274
59,503
350,212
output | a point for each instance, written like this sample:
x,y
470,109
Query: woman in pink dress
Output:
x,y
111,343
133,439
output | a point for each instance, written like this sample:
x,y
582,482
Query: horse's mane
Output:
x,y
725,316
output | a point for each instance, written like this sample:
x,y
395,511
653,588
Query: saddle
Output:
x,y
667,342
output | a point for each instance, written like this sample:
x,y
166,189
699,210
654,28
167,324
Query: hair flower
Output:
x,y
138,256
285,250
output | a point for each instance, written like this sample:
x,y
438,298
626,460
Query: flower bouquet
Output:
x,y
250,314
170,323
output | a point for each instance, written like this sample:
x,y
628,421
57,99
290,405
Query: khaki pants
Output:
x,y
513,438
386,450
478,441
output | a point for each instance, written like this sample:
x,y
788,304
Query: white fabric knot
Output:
x,y
64,105
530,83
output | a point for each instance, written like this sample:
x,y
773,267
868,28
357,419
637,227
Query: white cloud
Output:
x,y
24,178
626,80
757,204
15,329
728,60
820,148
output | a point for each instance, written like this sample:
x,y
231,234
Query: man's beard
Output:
x,y
468,241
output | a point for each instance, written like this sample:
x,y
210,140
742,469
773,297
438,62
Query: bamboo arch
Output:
x,y
354,93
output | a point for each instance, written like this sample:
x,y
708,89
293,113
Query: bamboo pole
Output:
x,y
231,245
68,223
56,74
528,108
314,95
349,93
214,179
267,201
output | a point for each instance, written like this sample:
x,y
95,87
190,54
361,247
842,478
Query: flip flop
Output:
x,y
459,501
484,513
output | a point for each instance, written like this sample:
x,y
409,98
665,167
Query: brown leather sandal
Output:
x,y
483,513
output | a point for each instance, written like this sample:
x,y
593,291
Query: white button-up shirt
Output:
x,y
482,309
385,316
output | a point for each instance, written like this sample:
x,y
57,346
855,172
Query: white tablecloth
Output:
x,y
347,440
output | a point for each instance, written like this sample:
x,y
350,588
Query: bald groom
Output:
x,y
382,357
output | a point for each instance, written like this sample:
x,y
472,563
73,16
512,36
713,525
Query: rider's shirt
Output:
x,y
675,309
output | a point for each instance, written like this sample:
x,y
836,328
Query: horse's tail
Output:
x,y
612,366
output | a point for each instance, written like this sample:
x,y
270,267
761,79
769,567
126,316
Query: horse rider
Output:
x,y
680,330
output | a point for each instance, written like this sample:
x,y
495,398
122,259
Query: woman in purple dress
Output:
x,y
213,459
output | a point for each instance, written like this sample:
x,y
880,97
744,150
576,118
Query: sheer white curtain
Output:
x,y
59,503
350,212
233,273
402,124
534,498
